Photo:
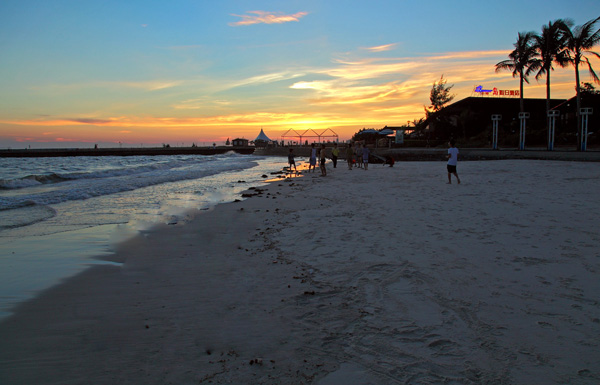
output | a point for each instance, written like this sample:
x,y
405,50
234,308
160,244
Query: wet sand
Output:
x,y
362,277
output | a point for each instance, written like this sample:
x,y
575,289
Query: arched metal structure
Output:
x,y
309,133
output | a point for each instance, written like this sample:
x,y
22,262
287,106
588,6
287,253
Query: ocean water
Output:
x,y
61,215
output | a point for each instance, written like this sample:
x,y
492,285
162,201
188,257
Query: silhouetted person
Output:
x,y
452,161
335,152
291,160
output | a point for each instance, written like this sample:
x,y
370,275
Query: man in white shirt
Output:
x,y
452,161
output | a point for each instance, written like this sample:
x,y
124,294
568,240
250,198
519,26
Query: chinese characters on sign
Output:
x,y
495,92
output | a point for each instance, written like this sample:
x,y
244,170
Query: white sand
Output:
x,y
386,276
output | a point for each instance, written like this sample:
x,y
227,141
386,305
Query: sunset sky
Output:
x,y
79,72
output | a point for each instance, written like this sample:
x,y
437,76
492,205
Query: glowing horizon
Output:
x,y
242,71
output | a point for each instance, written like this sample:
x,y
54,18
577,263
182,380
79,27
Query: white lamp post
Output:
x,y
495,120
551,128
585,113
523,116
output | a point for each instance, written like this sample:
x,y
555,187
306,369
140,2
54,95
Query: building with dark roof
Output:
x,y
471,119
239,142
567,119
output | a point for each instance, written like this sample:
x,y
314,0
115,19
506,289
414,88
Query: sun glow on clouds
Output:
x,y
393,80
262,17
162,122
346,95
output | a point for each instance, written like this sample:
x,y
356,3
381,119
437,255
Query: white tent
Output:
x,y
262,137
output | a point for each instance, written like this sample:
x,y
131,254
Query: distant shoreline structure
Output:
x,y
144,151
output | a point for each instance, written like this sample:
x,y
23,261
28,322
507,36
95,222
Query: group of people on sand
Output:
x,y
358,156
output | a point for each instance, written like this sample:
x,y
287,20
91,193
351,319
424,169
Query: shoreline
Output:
x,y
403,278
399,154
41,254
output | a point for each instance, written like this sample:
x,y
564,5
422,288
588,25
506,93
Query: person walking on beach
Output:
x,y
335,152
322,160
291,161
312,163
452,161
349,156
365,157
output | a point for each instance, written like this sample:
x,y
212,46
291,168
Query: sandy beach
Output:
x,y
385,276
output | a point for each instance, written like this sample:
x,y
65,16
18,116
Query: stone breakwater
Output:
x,y
141,151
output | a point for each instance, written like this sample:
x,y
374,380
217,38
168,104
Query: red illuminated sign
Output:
x,y
496,92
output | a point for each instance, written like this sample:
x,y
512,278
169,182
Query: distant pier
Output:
x,y
141,151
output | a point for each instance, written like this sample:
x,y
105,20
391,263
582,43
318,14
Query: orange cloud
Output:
x,y
262,17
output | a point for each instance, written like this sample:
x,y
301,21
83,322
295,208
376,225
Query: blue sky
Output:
x,y
74,72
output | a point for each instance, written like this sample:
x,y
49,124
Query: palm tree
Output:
x,y
580,41
521,60
551,47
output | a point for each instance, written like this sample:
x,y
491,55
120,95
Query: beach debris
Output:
x,y
309,292
257,361
265,176
256,191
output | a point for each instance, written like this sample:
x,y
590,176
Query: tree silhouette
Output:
x,y
439,96
580,40
551,48
521,61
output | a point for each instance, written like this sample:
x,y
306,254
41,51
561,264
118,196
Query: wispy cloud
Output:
x,y
377,82
150,85
159,122
200,103
89,121
267,78
262,17
381,48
